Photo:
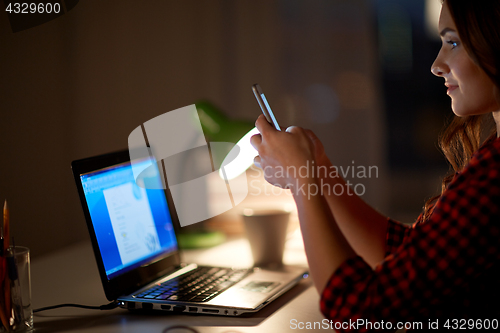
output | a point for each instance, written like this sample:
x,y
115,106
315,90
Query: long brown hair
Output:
x,y
478,26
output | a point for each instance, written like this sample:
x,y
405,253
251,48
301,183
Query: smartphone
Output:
x,y
264,105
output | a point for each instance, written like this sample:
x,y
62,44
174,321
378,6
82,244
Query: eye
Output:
x,y
452,43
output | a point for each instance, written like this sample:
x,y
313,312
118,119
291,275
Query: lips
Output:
x,y
451,87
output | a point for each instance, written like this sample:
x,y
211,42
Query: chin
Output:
x,y
467,114
458,112
468,109
464,112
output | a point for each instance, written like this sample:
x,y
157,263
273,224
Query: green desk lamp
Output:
x,y
217,127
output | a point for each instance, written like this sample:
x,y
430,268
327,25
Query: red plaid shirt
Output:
x,y
444,268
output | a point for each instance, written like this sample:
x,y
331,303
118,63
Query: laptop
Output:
x,y
133,232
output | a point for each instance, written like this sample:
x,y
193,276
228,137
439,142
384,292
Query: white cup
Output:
x,y
266,231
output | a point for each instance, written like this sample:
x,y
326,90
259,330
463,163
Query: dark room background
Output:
x,y
356,72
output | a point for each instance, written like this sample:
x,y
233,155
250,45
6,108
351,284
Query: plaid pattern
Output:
x,y
397,233
443,268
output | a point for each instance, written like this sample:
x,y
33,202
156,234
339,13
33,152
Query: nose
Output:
x,y
439,68
438,71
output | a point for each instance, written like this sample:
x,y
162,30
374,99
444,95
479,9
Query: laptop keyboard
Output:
x,y
199,285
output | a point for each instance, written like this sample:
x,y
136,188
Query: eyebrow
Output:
x,y
445,30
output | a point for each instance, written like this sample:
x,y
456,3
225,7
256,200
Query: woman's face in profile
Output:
x,y
471,90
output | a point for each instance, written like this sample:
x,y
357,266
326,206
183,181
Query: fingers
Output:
x,y
256,141
256,161
262,125
295,130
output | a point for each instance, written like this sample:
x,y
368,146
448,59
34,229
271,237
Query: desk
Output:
x,y
70,276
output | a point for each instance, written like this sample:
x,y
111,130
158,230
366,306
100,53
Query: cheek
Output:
x,y
478,92
485,96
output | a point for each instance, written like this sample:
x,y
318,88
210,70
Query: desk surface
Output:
x,y
71,276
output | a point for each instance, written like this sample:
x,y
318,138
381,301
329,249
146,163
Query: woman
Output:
x,y
444,268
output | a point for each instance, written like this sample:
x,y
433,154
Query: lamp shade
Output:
x,y
240,158
218,127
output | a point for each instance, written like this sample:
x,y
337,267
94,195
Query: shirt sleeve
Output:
x,y
396,234
432,265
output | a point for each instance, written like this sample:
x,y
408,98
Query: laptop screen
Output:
x,y
133,225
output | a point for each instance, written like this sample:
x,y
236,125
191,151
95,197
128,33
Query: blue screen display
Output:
x,y
132,224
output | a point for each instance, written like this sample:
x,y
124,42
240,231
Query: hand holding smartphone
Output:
x,y
264,105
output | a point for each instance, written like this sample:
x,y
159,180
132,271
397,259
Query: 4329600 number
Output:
x,y
32,8
471,324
